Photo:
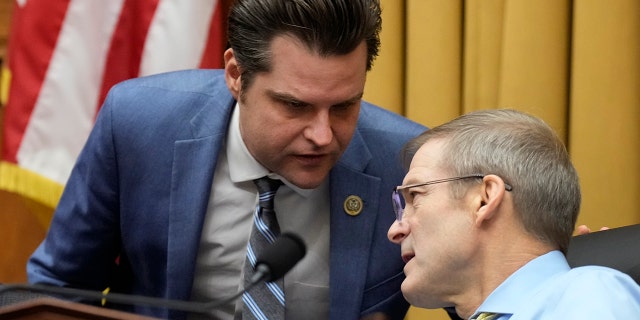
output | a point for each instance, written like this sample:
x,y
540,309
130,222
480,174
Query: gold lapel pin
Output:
x,y
353,205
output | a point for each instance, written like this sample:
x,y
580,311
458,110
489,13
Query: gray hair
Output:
x,y
527,154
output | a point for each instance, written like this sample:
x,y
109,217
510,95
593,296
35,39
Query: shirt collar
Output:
x,y
523,283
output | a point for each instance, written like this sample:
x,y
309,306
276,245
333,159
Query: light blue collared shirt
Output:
x,y
547,288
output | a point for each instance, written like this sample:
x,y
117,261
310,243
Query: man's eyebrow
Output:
x,y
353,100
282,96
410,181
287,97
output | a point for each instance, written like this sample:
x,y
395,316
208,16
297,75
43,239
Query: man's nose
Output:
x,y
398,231
319,130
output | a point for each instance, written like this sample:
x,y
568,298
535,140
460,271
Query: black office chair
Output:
x,y
617,248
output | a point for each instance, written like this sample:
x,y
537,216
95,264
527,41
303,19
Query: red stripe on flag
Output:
x,y
216,42
33,36
127,43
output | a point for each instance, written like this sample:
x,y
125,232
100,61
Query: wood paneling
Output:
x,y
6,6
20,234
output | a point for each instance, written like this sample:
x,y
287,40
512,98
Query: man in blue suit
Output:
x,y
160,200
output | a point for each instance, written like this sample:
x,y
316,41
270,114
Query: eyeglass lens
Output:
x,y
398,204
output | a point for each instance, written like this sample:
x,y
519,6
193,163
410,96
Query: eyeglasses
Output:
x,y
398,199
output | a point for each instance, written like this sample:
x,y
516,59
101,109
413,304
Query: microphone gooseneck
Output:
x,y
272,264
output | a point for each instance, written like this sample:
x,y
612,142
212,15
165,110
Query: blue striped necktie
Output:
x,y
265,300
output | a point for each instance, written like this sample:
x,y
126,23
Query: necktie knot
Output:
x,y
267,188
487,316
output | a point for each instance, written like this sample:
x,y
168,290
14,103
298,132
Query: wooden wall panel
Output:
x,y
6,7
20,234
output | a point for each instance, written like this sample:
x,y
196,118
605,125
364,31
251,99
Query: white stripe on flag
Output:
x,y
65,109
179,32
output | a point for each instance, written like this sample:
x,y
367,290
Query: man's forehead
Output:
x,y
425,164
429,154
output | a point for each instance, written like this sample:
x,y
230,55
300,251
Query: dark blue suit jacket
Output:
x,y
140,188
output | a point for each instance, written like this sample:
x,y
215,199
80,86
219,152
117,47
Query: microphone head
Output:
x,y
282,255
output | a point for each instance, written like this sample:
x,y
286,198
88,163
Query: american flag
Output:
x,y
64,55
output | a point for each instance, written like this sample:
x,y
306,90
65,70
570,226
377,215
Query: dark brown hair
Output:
x,y
327,27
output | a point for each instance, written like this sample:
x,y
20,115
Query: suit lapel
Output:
x,y
192,175
351,235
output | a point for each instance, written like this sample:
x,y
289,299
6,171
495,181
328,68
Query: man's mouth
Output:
x,y
407,256
312,159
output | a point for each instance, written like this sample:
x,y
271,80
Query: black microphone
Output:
x,y
279,258
272,264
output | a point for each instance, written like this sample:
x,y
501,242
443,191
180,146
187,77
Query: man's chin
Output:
x,y
307,180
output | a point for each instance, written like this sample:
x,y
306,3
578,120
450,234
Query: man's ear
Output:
x,y
232,73
491,197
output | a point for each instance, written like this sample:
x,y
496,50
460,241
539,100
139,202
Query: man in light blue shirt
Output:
x,y
484,218
546,288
